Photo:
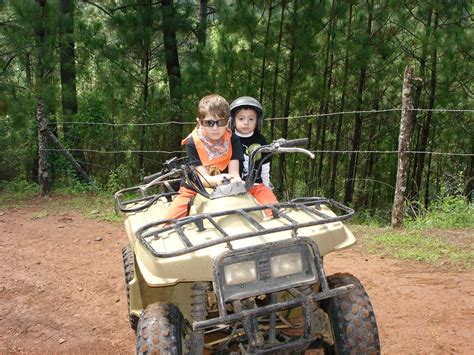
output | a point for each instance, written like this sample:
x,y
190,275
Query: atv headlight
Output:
x,y
286,264
240,273
265,268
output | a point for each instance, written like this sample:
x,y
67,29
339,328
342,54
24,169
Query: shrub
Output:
x,y
449,212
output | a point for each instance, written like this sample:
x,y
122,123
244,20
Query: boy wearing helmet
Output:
x,y
212,149
247,121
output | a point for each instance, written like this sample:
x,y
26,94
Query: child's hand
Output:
x,y
236,178
226,178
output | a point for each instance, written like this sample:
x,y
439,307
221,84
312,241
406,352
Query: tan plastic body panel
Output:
x,y
197,266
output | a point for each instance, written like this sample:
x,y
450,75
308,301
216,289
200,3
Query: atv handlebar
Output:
x,y
150,178
276,147
296,150
179,168
292,142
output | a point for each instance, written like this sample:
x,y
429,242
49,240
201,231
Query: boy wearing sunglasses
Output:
x,y
247,122
212,149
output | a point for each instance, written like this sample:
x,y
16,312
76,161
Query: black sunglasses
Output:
x,y
211,123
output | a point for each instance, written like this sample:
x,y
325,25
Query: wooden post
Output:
x,y
406,130
44,176
69,157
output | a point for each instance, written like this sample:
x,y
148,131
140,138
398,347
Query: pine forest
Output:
x,y
115,84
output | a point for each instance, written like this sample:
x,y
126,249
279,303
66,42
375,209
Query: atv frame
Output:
x,y
164,254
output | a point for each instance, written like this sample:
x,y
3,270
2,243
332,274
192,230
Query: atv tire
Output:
x,y
352,318
127,257
160,330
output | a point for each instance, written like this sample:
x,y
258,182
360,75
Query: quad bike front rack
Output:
x,y
309,205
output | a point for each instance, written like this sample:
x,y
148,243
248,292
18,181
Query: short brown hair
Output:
x,y
213,104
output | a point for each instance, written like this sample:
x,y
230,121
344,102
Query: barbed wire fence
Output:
x,y
289,118
101,149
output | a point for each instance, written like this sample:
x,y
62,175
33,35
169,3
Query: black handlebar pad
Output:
x,y
295,143
152,177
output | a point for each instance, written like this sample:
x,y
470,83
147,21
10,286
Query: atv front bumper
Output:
x,y
265,310
298,289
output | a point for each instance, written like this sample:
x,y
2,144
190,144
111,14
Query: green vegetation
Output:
x,y
98,206
86,199
450,212
17,190
441,235
423,247
114,76
373,217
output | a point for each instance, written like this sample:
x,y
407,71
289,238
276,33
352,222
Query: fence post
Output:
x,y
44,176
406,130
69,157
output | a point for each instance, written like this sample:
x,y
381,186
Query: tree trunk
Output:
x,y
41,72
371,160
145,64
141,164
275,76
68,156
406,130
286,110
322,145
428,177
417,97
67,57
44,175
174,73
311,181
362,196
67,61
425,132
27,61
326,93
265,46
352,166
469,175
202,23
332,186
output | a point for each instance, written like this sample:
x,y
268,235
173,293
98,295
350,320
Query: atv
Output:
x,y
232,279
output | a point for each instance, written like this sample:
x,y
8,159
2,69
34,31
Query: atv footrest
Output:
x,y
310,206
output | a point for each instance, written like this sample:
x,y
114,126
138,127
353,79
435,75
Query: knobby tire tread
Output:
x,y
352,318
160,330
127,257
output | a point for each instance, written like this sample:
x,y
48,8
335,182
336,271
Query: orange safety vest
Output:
x,y
220,162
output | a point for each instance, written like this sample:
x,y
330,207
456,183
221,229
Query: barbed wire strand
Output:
x,y
313,151
267,119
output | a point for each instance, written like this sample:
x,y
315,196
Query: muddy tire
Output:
x,y
352,318
160,330
127,257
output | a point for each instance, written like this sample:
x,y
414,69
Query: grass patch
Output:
x,y
449,212
17,190
417,246
88,201
100,206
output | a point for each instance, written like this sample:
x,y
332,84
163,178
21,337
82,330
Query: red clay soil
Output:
x,y
61,290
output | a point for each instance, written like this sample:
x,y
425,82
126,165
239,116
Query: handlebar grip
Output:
x,y
295,143
152,177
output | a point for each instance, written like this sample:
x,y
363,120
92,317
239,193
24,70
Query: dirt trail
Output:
x,y
61,290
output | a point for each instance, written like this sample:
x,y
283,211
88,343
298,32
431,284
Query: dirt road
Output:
x,y
61,290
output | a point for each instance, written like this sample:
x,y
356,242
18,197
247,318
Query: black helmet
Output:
x,y
246,102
